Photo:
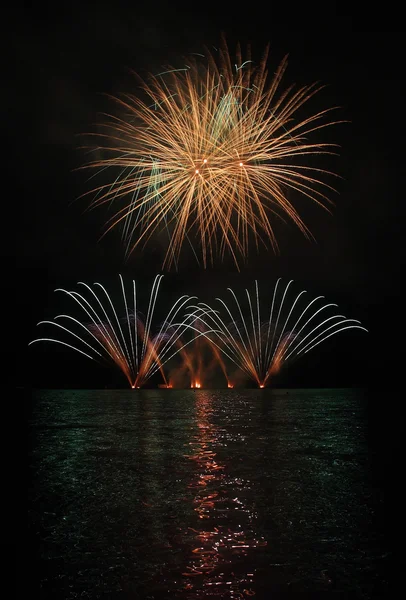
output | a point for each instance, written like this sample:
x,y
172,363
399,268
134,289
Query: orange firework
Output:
x,y
210,155
200,358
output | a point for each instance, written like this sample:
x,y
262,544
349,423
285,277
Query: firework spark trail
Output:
x,y
261,347
129,344
209,157
199,356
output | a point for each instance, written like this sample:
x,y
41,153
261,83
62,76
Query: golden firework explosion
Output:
x,y
210,156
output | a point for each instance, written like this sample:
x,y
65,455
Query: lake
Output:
x,y
186,494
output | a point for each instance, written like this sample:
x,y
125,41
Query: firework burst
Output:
x,y
261,341
122,336
209,157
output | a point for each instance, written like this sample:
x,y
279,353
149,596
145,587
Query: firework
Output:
x,y
124,337
260,342
199,358
209,157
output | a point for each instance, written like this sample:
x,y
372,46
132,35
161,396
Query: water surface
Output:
x,y
161,494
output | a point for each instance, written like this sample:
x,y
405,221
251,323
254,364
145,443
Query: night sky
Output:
x,y
67,62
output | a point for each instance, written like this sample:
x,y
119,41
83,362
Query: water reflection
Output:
x,y
117,511
223,541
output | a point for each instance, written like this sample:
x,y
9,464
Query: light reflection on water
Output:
x,y
222,535
162,494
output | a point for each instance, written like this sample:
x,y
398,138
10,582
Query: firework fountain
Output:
x,y
132,342
258,340
200,359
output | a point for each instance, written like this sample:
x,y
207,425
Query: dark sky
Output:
x,y
64,64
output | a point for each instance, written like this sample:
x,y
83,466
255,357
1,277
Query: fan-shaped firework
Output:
x,y
209,156
127,340
261,341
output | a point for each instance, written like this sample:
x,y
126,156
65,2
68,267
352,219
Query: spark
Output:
x,y
133,343
199,357
210,155
260,342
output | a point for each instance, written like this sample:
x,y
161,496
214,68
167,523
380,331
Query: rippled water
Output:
x,y
161,494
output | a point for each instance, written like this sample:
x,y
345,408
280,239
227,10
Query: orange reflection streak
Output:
x,y
216,540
